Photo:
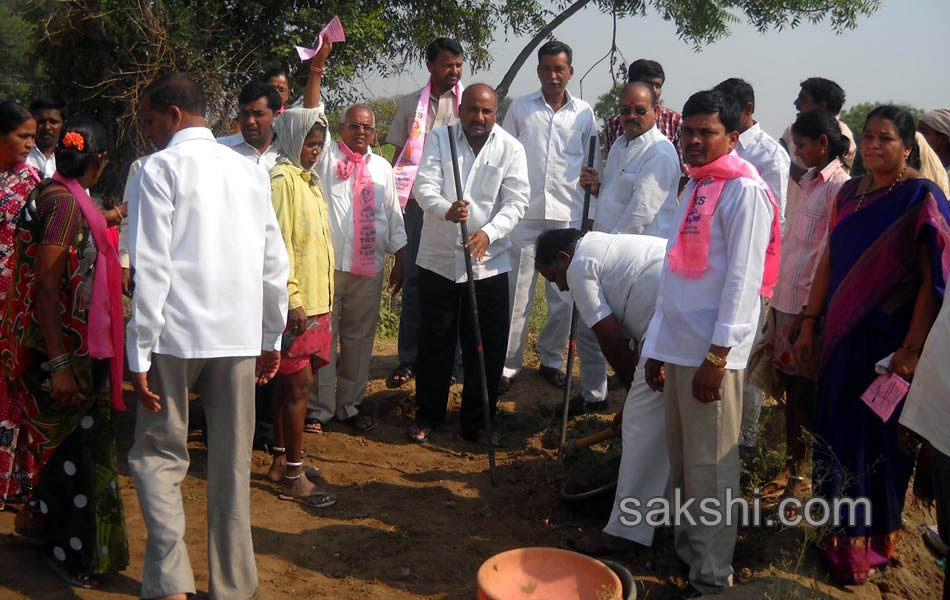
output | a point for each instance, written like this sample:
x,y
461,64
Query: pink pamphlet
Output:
x,y
885,393
333,32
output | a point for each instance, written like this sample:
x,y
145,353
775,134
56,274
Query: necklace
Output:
x,y
867,188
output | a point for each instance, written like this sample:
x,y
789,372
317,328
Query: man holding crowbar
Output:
x,y
487,193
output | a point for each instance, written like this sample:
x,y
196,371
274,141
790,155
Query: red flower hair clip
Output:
x,y
74,140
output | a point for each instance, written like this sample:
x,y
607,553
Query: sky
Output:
x,y
897,54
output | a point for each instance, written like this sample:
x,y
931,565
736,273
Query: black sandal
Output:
x,y
80,580
401,375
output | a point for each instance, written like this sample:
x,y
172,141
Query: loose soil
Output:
x,y
415,522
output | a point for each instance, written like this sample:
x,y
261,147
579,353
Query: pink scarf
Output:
x,y
407,163
105,325
690,253
364,210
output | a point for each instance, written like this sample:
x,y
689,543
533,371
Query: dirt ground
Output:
x,y
415,522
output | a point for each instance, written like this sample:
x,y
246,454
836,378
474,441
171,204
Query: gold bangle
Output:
x,y
716,361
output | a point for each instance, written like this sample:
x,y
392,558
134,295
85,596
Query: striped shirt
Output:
x,y
806,235
668,121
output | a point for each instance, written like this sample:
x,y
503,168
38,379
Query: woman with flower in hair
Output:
x,y
61,345
17,180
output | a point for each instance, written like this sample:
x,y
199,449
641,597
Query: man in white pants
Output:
x,y
210,302
614,280
555,129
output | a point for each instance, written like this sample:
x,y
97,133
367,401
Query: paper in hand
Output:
x,y
333,32
885,393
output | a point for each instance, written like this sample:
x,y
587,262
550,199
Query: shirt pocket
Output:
x,y
570,139
487,183
809,226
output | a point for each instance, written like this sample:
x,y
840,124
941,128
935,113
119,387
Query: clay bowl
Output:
x,y
546,574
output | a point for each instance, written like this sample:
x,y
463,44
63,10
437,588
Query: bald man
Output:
x,y
494,176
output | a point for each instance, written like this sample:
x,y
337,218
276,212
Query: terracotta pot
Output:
x,y
542,573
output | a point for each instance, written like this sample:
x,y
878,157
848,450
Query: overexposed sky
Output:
x,y
900,53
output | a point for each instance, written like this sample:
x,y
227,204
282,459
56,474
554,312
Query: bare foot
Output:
x,y
277,468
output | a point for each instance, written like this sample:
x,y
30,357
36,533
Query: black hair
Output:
x,y
275,72
815,123
12,115
439,44
713,101
552,241
653,97
740,89
47,103
71,162
902,119
255,90
825,90
177,89
645,69
555,47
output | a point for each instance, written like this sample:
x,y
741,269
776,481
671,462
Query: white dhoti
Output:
x,y
644,464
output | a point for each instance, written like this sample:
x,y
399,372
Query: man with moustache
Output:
x,y
258,104
365,225
555,129
494,178
433,106
643,171
49,115
722,255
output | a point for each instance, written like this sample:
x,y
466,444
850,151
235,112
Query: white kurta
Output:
x,y
638,194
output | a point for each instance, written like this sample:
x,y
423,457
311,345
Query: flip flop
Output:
x,y
401,375
86,582
361,423
312,426
317,500
504,384
419,435
553,376
775,487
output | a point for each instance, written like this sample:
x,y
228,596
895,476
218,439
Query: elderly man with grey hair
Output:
x,y
366,224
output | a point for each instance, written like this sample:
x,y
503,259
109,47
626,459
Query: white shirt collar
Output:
x,y
748,137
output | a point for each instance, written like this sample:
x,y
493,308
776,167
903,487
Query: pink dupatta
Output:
x,y
104,325
690,253
363,208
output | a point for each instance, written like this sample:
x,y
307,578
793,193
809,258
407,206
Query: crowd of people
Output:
x,y
716,265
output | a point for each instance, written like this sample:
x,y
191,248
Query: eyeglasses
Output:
x,y
626,111
358,126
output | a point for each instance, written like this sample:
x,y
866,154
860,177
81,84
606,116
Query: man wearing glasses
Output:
x,y
365,224
638,195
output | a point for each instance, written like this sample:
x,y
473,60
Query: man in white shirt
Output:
x,y
555,129
926,412
258,104
444,59
613,280
50,116
699,340
769,157
208,312
356,294
643,171
494,178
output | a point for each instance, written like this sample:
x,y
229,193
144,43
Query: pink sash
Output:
x,y
105,325
363,208
407,164
690,253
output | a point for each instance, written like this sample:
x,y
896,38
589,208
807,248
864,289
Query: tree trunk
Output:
x,y
502,89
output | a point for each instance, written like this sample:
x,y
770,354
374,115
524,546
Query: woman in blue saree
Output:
x,y
877,292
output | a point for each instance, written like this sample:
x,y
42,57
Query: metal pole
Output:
x,y
479,351
572,339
